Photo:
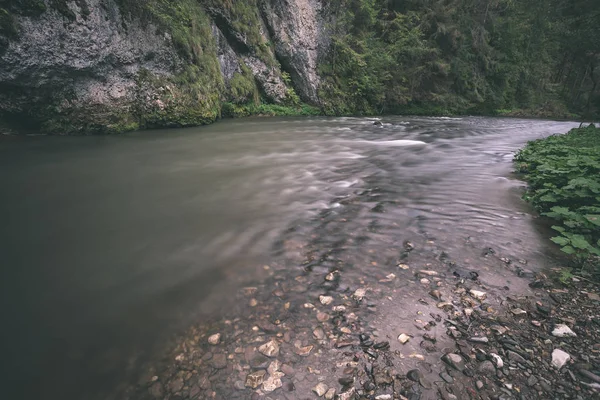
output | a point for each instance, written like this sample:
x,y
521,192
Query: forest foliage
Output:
x,y
534,57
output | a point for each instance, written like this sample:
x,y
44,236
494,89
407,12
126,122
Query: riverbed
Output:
x,y
113,247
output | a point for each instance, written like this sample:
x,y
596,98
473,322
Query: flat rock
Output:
x,y
330,394
269,349
562,330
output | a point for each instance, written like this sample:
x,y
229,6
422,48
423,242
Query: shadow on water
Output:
x,y
112,245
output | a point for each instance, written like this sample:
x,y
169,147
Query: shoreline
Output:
x,y
411,322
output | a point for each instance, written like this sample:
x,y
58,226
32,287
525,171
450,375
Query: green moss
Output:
x,y
8,27
230,110
24,7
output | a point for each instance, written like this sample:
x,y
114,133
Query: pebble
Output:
x,y
497,360
253,303
269,349
319,334
455,361
330,394
403,266
326,300
322,317
303,351
214,339
518,311
384,397
562,330
532,381
320,389
446,377
219,361
403,338
559,358
435,294
428,273
477,339
479,385
359,294
478,294
487,368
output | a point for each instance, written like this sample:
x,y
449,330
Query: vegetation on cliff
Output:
x,y
563,172
534,57
437,57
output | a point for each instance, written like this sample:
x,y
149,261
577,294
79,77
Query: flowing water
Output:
x,y
112,245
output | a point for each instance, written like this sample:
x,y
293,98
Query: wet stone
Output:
x,y
255,379
319,334
219,361
486,368
446,377
214,339
455,361
320,389
322,317
269,349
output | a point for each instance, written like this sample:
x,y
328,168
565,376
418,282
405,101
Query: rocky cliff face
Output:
x,y
103,66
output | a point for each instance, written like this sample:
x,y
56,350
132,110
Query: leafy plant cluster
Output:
x,y
563,172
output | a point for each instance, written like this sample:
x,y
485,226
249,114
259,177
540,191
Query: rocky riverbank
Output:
x,y
404,321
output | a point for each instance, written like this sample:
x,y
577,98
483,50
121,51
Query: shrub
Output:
x,y
563,172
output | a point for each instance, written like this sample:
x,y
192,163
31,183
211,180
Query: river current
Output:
x,y
113,245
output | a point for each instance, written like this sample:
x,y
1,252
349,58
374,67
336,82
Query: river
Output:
x,y
113,245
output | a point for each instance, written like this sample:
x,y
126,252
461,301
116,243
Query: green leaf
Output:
x,y
594,219
579,242
568,250
561,241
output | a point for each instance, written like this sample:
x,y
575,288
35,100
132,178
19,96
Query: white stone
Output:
x,y
326,300
479,295
428,273
269,349
518,311
320,389
359,294
497,360
403,338
330,394
403,266
384,397
214,339
559,358
562,330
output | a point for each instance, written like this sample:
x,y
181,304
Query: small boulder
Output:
x,y
560,358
